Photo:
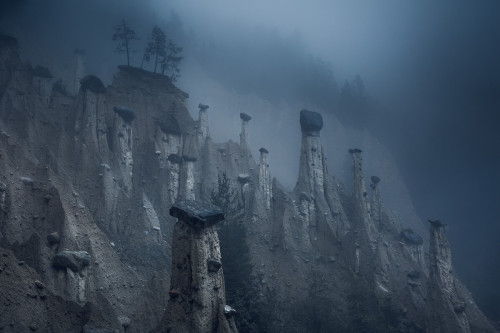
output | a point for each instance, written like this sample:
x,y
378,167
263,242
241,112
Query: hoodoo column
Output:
x,y
245,118
197,292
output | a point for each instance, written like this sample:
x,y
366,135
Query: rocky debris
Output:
x,y
27,181
125,113
92,83
197,296
75,260
310,121
53,238
410,237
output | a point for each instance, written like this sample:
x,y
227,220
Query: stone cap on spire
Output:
x,y
196,214
375,179
436,223
245,117
355,151
264,150
310,121
203,107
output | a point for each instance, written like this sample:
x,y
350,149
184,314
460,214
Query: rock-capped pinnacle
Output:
x,y
310,122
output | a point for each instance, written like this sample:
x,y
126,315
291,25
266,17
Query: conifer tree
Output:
x,y
124,35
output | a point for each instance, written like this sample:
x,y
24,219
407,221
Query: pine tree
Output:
x,y
241,289
124,35
156,46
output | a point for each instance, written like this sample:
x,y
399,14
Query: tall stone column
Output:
x,y
446,312
197,294
79,68
311,169
265,185
203,131
376,202
245,118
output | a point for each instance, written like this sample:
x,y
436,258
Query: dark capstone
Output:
x,y
196,214
264,150
93,83
413,274
245,117
53,238
436,222
174,158
203,106
169,125
355,151
310,121
75,260
375,179
41,71
244,178
125,113
189,158
409,236
213,265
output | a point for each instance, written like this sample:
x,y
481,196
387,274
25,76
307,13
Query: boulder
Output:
x,y
264,150
53,238
310,121
125,113
213,265
245,117
75,260
93,83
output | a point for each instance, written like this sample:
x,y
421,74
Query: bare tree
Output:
x,y
124,35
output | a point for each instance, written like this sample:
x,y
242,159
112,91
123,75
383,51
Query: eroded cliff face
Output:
x,y
87,181
94,172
